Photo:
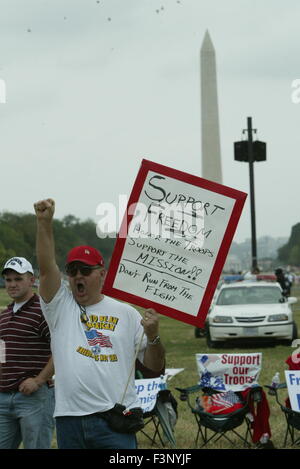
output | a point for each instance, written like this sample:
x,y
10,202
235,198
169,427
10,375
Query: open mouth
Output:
x,y
80,288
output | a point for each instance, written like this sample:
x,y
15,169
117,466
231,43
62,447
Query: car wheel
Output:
x,y
212,343
295,331
294,335
199,332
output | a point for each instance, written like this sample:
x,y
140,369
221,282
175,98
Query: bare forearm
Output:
x,y
46,373
45,248
31,385
154,357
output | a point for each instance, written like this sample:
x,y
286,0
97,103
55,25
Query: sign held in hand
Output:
x,y
173,242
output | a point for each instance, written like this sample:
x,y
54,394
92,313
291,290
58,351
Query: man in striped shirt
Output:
x,y
27,363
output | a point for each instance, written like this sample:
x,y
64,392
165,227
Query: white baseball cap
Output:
x,y
19,264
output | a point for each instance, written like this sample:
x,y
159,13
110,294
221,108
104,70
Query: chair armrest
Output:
x,y
274,391
190,389
185,393
279,386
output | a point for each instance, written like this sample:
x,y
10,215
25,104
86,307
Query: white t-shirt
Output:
x,y
92,361
17,306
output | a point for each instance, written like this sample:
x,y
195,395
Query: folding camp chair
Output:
x,y
228,397
212,427
162,418
150,418
292,418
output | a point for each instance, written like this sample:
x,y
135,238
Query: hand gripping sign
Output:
x,y
173,242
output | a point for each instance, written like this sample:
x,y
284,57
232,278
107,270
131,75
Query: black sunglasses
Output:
x,y
86,270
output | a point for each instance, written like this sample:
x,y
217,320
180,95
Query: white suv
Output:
x,y
249,310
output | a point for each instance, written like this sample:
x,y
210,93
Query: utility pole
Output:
x,y
252,195
250,151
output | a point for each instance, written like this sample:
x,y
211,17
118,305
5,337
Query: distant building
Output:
x,y
267,248
232,264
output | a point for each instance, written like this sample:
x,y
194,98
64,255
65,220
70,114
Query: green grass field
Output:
x,y
181,347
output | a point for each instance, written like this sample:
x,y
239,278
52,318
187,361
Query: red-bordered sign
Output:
x,y
173,242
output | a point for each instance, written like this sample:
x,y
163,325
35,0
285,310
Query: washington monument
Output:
x,y
211,152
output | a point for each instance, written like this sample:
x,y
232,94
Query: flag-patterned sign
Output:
x,y
220,403
229,371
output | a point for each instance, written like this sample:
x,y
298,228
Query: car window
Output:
x,y
249,295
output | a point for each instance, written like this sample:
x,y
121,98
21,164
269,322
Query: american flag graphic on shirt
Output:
x,y
95,337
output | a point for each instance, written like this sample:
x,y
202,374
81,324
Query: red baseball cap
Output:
x,y
86,254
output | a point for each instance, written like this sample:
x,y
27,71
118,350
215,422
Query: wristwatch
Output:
x,y
155,341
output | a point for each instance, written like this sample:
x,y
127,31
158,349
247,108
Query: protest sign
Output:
x,y
173,242
147,390
292,378
229,371
171,372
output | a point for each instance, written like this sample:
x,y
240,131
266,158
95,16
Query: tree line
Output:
x,y
289,253
18,237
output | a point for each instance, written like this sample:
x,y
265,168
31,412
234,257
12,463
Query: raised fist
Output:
x,y
44,209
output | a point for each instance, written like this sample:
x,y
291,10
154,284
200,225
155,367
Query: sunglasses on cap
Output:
x,y
85,270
